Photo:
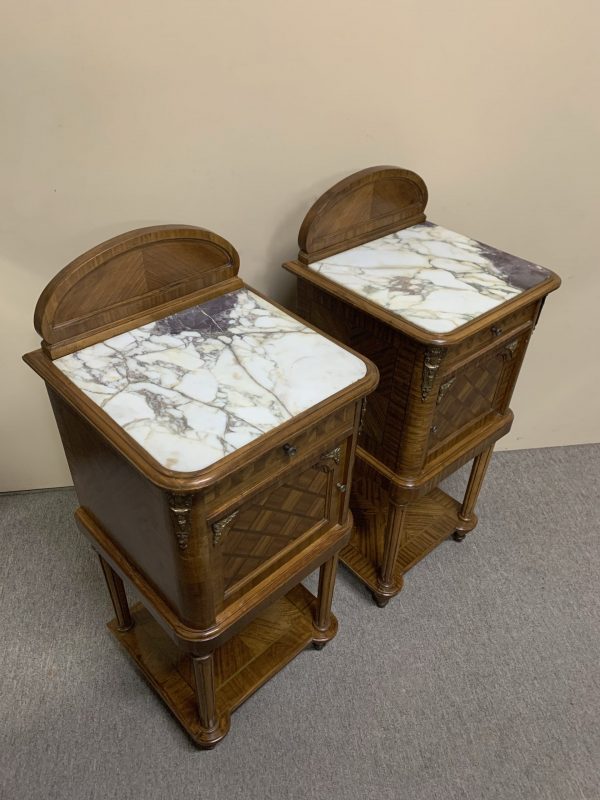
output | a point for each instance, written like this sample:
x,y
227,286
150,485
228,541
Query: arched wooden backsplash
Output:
x,y
362,207
130,280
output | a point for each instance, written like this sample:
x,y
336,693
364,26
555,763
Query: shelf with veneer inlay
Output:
x,y
447,320
241,665
211,438
429,520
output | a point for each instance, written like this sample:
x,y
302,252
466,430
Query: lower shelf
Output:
x,y
243,664
430,520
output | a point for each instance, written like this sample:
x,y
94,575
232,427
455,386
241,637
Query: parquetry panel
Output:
x,y
265,526
473,394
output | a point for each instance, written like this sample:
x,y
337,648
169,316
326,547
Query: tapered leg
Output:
x,y
324,623
394,537
117,595
204,676
466,516
212,726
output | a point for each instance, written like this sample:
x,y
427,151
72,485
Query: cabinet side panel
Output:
x,y
131,511
394,355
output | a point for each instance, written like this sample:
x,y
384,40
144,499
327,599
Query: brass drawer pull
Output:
x,y
434,429
342,487
289,450
496,330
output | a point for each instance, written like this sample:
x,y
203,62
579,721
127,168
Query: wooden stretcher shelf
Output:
x,y
242,665
430,520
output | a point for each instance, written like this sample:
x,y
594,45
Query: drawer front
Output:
x,y
488,336
264,469
258,536
477,390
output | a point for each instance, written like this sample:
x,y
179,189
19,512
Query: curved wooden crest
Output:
x,y
362,207
132,279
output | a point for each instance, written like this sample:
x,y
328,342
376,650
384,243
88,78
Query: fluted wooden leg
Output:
x,y
394,538
116,589
204,676
467,519
324,623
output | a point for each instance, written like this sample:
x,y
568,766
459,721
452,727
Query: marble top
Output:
x,y
195,386
431,276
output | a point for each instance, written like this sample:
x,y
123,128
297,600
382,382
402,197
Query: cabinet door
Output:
x,y
258,536
472,394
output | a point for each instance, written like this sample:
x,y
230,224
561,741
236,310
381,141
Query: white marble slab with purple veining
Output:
x,y
431,276
195,386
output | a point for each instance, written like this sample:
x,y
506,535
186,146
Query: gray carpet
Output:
x,y
480,681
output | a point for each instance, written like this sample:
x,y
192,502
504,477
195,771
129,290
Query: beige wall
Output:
x,y
236,115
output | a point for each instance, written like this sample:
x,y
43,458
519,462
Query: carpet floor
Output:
x,y
481,681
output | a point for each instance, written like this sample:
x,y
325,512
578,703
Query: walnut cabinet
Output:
x,y
211,439
447,321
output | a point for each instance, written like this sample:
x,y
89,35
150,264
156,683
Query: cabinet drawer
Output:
x,y
264,469
255,537
476,390
499,331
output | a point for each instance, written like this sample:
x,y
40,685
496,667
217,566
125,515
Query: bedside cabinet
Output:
x,y
211,439
447,321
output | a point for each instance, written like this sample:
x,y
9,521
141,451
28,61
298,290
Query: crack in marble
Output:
x,y
430,276
195,386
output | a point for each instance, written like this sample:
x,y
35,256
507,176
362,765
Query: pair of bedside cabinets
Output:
x,y
222,449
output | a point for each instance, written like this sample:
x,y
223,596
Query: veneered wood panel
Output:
x,y
127,276
362,207
132,511
272,522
